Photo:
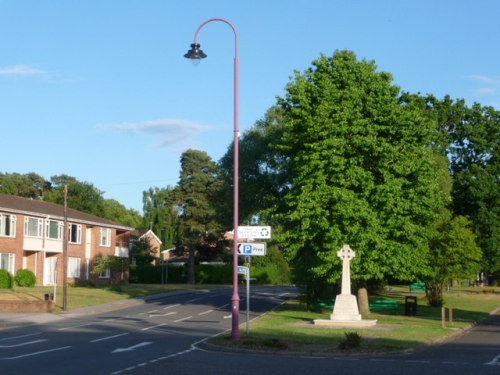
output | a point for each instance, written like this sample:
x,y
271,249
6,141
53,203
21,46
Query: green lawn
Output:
x,y
290,327
90,296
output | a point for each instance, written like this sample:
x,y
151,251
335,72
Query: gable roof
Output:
x,y
32,207
141,233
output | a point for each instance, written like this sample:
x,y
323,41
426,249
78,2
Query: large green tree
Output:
x,y
262,171
360,171
198,229
160,213
469,137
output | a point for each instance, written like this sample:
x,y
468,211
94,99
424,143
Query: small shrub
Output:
x,y
25,278
274,343
5,279
352,340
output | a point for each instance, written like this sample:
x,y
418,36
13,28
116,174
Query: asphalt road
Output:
x,y
128,338
166,337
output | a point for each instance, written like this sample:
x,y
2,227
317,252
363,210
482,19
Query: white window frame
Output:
x,y
78,228
105,237
39,224
54,225
106,274
73,267
9,260
7,221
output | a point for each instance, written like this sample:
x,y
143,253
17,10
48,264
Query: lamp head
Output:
x,y
195,54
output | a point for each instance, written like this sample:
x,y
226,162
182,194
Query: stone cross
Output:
x,y
346,254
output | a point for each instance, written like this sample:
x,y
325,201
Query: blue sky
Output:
x,y
100,90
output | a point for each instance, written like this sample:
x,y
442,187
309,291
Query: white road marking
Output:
x,y
110,337
166,314
494,362
205,312
23,343
133,347
37,353
148,328
169,307
21,336
180,320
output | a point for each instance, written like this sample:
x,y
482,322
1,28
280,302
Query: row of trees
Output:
x,y
82,196
408,181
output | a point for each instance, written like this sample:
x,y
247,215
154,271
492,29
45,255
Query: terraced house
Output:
x,y
31,237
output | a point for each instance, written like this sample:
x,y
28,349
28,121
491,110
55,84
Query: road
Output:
x,y
164,336
476,352
112,342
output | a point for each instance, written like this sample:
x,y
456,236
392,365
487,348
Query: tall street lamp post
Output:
x,y
196,54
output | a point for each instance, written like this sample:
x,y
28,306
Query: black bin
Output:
x,y
49,296
410,305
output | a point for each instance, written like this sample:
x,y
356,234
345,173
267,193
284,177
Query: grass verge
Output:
x,y
78,297
290,328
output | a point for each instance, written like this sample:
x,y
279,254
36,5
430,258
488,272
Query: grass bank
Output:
x,y
78,297
290,326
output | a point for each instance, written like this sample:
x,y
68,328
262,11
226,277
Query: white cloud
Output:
x,y
494,80
487,85
21,70
170,133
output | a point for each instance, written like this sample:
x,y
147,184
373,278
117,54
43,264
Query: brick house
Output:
x,y
31,237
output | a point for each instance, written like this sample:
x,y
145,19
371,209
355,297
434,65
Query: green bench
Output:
x,y
383,304
324,304
417,287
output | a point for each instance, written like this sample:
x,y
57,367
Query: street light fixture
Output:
x,y
196,54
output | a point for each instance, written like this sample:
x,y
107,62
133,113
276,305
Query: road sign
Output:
x,y
254,232
252,249
242,270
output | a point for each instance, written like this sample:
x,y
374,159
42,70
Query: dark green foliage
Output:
x,y
5,279
172,274
112,263
197,190
25,278
214,274
82,196
142,252
161,213
270,269
28,185
352,340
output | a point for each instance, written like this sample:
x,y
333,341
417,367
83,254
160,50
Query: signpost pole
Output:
x,y
248,300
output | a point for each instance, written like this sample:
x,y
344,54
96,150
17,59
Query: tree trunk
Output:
x,y
191,276
364,308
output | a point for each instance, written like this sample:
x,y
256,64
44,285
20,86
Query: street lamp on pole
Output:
x,y
196,54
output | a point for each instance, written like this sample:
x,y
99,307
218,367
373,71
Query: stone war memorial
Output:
x,y
346,310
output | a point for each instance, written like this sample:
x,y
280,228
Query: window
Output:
x,y
7,262
32,227
75,233
105,237
7,225
105,274
54,229
73,267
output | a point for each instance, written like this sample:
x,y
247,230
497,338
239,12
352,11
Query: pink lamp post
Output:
x,y
196,54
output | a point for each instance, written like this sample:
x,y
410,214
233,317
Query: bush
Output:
x,y
25,278
351,340
5,279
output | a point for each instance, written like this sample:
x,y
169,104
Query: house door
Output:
x,y
50,271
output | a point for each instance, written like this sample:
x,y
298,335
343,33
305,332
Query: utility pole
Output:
x,y
65,251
